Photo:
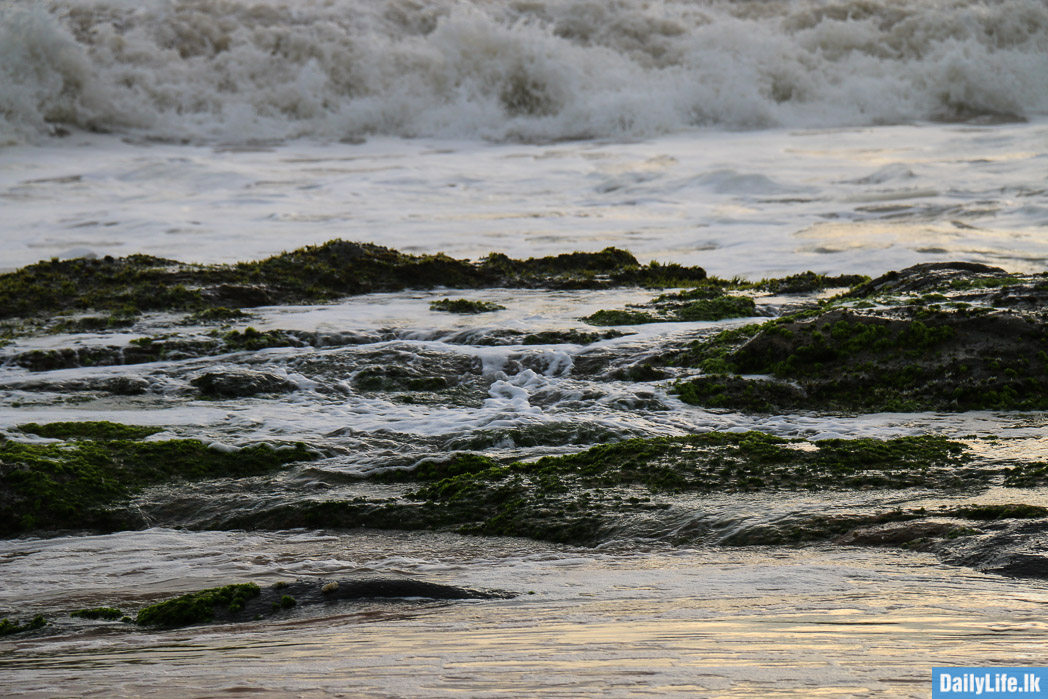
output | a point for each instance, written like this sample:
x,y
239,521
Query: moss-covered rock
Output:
x,y
894,353
620,317
249,601
241,383
581,498
704,303
80,484
130,285
99,431
8,627
98,613
465,306
197,607
570,337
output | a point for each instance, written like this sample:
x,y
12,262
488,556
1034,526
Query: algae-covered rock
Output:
x,y
130,285
581,498
96,613
80,484
100,430
197,607
705,303
241,383
8,627
465,306
912,353
248,601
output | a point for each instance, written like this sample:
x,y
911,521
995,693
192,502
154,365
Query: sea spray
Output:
x,y
224,70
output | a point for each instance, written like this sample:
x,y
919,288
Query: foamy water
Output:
x,y
751,138
545,70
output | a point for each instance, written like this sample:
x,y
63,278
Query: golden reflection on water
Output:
x,y
874,630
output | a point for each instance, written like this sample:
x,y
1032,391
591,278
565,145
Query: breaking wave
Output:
x,y
531,70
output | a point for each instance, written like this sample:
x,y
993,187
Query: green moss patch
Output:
x,y
130,285
8,627
579,497
285,602
197,607
808,282
78,484
704,303
102,613
841,359
944,336
102,430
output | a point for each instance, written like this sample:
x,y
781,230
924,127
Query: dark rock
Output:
x,y
241,383
247,602
924,277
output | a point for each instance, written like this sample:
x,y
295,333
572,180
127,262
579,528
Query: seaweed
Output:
x,y
8,627
103,613
128,286
101,430
197,607
80,483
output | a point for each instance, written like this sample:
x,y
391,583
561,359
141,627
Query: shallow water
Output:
x,y
751,204
753,139
621,622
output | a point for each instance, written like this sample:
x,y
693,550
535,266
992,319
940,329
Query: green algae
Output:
x,y
703,303
159,348
439,469
89,324
8,627
138,283
839,359
285,602
96,613
569,498
720,308
620,317
730,462
465,306
588,497
101,430
571,337
197,607
808,282
79,484
251,340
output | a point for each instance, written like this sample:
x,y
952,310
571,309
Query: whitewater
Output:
x,y
751,138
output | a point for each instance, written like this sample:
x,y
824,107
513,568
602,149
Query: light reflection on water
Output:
x,y
707,622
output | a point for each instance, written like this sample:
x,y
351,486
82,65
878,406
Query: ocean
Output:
x,y
753,138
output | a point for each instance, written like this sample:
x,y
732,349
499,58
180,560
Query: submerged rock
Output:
x,y
247,602
82,484
465,306
8,627
241,383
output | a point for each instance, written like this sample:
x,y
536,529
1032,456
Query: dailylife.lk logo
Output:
x,y
995,682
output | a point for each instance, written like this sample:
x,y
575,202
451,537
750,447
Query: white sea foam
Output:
x,y
541,70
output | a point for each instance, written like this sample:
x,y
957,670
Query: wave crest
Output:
x,y
205,70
